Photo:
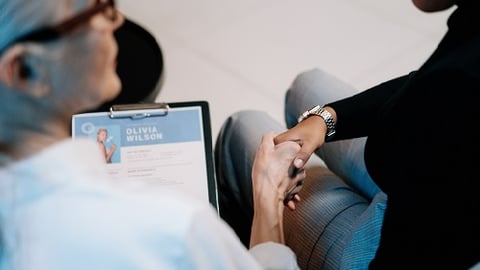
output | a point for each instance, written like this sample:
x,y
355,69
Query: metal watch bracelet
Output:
x,y
325,115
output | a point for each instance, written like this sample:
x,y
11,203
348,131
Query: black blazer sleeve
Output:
x,y
358,113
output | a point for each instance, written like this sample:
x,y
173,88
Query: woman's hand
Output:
x,y
309,134
271,179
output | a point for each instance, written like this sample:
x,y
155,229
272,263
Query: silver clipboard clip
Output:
x,y
139,111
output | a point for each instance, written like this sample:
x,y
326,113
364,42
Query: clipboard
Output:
x,y
166,145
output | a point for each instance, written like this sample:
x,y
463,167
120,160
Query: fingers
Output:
x,y
283,152
267,140
272,161
292,203
304,155
274,166
287,136
264,143
305,134
291,192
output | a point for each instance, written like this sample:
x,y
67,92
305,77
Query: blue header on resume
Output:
x,y
176,127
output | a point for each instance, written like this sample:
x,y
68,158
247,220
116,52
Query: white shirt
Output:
x,y
59,210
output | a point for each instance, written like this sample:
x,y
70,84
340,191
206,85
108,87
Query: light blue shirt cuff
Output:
x,y
271,255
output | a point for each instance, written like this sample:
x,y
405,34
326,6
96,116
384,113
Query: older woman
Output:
x,y
57,211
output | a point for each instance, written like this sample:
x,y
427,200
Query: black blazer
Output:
x,y
423,151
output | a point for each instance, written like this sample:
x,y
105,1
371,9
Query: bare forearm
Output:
x,y
267,223
270,180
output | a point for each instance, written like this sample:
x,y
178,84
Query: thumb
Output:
x,y
303,155
286,136
268,139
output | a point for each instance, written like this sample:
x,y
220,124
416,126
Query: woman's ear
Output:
x,y
22,75
14,72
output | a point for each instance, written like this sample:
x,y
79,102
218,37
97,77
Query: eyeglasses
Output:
x,y
50,33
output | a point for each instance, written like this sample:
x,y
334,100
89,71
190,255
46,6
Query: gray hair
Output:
x,y
18,17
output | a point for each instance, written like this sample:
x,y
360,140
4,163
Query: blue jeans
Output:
x,y
337,224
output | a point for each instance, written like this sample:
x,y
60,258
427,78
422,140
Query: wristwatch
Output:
x,y
325,115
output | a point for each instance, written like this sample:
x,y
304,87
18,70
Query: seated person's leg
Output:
x,y
311,88
318,231
333,226
345,158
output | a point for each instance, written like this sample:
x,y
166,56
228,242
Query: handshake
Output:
x,y
274,166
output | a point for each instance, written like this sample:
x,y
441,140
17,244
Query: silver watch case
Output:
x,y
325,115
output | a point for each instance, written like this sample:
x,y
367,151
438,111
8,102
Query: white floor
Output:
x,y
244,54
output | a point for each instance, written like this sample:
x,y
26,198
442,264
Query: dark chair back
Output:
x,y
139,66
